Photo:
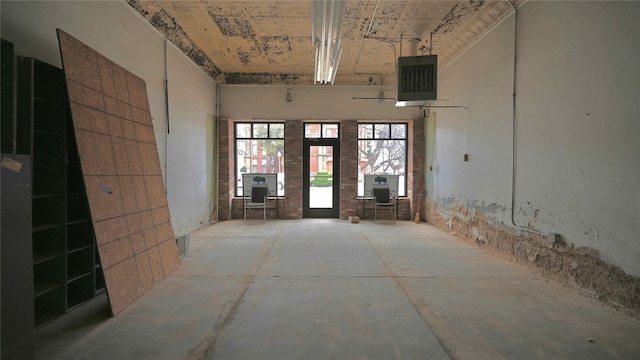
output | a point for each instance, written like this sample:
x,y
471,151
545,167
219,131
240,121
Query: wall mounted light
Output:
x,y
288,97
326,30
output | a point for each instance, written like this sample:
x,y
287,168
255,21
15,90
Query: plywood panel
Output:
x,y
122,173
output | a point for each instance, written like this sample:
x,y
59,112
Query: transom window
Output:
x,y
320,130
259,149
382,149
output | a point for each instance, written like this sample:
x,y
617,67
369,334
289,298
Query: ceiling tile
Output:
x,y
266,36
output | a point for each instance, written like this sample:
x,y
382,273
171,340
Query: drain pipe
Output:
x,y
553,238
166,72
166,96
216,158
433,166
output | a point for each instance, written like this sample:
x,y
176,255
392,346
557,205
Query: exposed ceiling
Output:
x,y
269,42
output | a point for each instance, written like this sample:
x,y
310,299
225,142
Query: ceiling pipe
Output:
x,y
443,107
381,95
166,97
215,216
413,48
366,35
430,42
390,42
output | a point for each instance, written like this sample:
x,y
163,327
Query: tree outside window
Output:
x,y
382,149
259,149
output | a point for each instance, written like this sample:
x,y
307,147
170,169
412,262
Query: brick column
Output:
x,y
418,151
349,169
293,169
225,181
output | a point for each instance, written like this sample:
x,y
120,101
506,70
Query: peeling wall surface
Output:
x,y
269,41
577,148
577,151
116,30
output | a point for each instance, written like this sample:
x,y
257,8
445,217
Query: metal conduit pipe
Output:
x,y
166,96
366,35
216,158
434,158
513,140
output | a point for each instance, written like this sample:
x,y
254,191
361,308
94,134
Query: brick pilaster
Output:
x,y
349,206
225,163
293,137
418,155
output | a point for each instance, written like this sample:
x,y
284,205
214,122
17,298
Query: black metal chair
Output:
x,y
257,199
382,199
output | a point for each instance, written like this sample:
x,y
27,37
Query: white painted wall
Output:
x,y
577,126
115,30
320,102
578,153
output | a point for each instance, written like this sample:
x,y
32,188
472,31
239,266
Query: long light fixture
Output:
x,y
326,29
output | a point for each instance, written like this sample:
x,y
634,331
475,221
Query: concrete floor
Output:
x,y
329,289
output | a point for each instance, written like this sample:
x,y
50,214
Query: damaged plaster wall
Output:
x,y
118,31
191,106
577,148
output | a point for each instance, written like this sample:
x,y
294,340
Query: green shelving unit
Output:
x,y
66,270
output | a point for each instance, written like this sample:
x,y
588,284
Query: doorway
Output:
x,y
321,171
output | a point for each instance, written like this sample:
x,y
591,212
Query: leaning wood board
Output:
x,y
122,174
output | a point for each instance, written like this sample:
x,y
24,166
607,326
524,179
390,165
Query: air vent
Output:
x,y
417,80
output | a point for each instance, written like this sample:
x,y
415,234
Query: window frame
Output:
x,y
322,134
391,137
252,137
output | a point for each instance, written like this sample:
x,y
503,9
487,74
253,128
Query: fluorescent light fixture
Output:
x,y
326,29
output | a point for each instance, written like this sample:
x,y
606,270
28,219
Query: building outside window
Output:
x,y
259,148
382,149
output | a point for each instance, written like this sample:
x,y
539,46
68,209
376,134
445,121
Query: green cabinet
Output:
x,y
65,265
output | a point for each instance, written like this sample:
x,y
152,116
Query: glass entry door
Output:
x,y
321,181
